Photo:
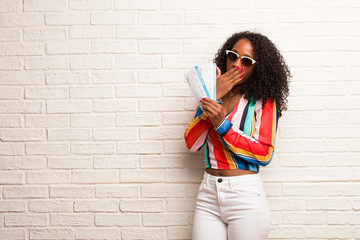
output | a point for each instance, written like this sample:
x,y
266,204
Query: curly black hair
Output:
x,y
270,79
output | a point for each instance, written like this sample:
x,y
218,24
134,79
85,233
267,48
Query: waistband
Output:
x,y
231,180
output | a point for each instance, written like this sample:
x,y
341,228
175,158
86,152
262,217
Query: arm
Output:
x,y
197,130
258,148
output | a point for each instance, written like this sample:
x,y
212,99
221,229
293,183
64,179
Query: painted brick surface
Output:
x,y
93,105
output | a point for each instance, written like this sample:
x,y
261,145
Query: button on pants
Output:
x,y
231,208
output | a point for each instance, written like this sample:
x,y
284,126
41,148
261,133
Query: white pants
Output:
x,y
231,208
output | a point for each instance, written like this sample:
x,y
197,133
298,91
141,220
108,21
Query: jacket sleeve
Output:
x,y
197,130
259,147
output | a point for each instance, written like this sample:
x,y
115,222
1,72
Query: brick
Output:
x,y
121,162
164,219
43,34
97,233
25,192
143,233
205,17
287,232
10,6
47,148
48,177
16,135
115,134
154,105
10,63
21,78
51,206
121,46
11,93
46,121
13,163
184,61
230,4
141,90
170,118
138,119
163,190
68,47
151,46
107,77
99,120
78,219
142,206
183,175
117,191
163,161
46,93
21,20
123,220
72,191
95,176
16,49
69,106
46,63
51,233
160,76
297,16
138,5
161,133
12,233
341,218
165,18
185,32
90,62
44,5
329,232
138,32
184,5
177,90
22,220
10,121
179,232
175,146
69,162
141,176
7,177
91,92
288,204
181,205
58,19
96,206
123,105
137,61
201,46
90,4
93,32
329,204
68,134
11,149
143,147
93,149
9,34
124,18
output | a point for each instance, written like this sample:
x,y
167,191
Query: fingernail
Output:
x,y
242,69
237,68
200,100
241,77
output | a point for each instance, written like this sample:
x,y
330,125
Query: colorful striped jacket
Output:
x,y
244,140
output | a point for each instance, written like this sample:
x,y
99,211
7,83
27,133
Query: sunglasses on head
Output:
x,y
245,61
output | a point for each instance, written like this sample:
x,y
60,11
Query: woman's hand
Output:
x,y
225,82
214,110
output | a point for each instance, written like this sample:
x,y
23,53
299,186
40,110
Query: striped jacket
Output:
x,y
244,140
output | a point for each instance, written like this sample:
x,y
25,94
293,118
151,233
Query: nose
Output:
x,y
237,63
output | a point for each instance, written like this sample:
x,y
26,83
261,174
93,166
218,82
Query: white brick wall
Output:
x,y
93,105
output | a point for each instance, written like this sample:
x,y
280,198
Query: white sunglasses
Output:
x,y
245,60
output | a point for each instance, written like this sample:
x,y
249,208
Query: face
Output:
x,y
244,48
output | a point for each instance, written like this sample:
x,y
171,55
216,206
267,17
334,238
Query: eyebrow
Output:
x,y
243,55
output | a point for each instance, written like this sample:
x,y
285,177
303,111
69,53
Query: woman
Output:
x,y
238,131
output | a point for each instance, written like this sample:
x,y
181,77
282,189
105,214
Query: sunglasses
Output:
x,y
245,61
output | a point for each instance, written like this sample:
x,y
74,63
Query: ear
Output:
x,y
218,72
